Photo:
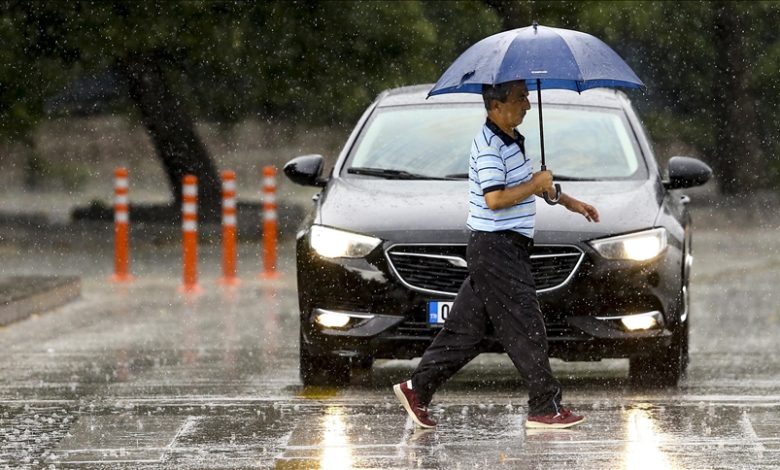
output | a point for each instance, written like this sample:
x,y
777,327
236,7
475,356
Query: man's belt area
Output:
x,y
517,238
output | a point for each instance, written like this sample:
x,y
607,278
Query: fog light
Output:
x,y
333,319
639,322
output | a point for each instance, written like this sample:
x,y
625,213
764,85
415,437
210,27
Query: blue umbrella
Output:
x,y
545,58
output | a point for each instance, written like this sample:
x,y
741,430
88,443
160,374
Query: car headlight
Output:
x,y
639,246
332,243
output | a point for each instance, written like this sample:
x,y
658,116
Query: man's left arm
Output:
x,y
575,205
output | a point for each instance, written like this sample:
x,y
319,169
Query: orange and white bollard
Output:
x,y
189,221
121,227
269,223
229,252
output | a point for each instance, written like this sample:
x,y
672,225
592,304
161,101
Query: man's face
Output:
x,y
513,110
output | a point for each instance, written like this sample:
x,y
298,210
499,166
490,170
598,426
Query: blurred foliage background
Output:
x,y
711,67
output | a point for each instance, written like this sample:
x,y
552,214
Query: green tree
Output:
x,y
147,44
711,69
307,62
698,58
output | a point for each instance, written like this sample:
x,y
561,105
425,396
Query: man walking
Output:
x,y
499,290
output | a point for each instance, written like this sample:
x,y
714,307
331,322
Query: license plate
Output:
x,y
438,312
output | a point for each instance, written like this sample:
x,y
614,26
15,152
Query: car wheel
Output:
x,y
686,291
323,370
685,357
684,333
663,368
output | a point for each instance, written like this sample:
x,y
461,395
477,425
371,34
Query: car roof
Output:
x,y
417,94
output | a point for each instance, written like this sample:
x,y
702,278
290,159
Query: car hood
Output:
x,y
399,210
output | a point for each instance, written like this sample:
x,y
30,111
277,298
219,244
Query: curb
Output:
x,y
22,296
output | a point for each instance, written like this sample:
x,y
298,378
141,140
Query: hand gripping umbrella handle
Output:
x,y
553,200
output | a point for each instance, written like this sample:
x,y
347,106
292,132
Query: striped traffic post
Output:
x,y
229,252
269,223
121,227
189,219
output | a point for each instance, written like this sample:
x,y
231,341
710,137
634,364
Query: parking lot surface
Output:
x,y
141,376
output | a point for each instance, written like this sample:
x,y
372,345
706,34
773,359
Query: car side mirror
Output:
x,y
687,172
306,170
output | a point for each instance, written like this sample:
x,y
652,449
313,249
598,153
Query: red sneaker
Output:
x,y
561,420
408,399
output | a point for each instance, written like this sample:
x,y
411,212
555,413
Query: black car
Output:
x,y
382,255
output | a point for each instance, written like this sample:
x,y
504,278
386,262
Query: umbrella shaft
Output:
x,y
541,123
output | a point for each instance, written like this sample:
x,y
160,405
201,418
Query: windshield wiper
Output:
x,y
390,174
555,177
569,178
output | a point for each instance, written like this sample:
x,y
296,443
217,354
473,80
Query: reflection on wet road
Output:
x,y
141,377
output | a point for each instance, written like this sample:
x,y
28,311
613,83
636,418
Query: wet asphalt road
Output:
x,y
143,377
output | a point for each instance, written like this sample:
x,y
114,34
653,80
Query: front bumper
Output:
x,y
392,337
394,317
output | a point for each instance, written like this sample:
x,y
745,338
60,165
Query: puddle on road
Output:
x,y
103,439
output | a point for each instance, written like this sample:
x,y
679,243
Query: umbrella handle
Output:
x,y
553,201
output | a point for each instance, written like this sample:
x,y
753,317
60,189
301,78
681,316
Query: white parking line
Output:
x,y
750,433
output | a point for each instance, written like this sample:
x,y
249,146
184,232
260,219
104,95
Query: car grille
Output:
x,y
441,269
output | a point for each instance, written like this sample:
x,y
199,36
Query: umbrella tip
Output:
x,y
535,24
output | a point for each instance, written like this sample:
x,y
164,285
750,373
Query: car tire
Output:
x,y
663,368
686,359
322,370
686,291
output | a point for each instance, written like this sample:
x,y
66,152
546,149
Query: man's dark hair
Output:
x,y
498,92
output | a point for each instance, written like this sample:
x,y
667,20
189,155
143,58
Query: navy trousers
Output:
x,y
499,292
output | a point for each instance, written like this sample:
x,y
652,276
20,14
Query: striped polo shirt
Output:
x,y
498,161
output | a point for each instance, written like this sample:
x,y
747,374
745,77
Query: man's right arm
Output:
x,y
508,197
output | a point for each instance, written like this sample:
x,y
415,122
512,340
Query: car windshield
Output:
x,y
581,143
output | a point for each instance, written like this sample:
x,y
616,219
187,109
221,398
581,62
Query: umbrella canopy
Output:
x,y
557,58
545,58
